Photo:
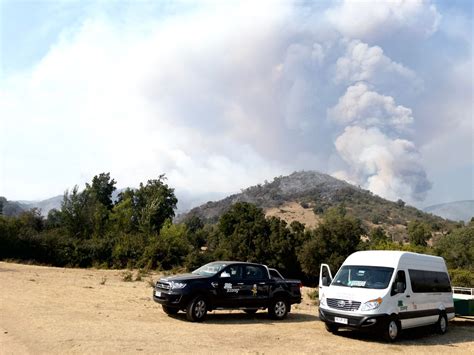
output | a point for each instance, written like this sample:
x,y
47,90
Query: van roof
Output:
x,y
392,258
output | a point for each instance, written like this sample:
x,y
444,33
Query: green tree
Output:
x,y
457,248
102,188
331,242
3,201
245,232
418,233
155,202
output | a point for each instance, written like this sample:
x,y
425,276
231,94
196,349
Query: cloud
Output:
x,y
388,167
375,20
363,107
220,97
362,62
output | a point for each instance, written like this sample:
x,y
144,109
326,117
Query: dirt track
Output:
x,y
54,310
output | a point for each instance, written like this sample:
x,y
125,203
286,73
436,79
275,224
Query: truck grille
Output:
x,y
162,285
345,305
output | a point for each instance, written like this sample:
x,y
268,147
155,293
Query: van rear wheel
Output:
x,y
442,324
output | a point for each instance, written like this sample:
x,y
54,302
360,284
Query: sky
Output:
x,y
221,95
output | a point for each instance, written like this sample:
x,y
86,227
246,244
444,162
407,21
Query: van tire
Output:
x,y
332,328
196,309
392,330
442,324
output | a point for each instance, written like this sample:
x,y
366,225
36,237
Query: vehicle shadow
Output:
x,y
239,317
458,332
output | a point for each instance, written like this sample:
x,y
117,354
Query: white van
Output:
x,y
388,291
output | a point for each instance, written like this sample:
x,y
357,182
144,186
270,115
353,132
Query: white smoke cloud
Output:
x,y
362,107
372,20
220,97
388,167
362,62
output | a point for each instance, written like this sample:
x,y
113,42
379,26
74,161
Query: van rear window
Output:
x,y
423,281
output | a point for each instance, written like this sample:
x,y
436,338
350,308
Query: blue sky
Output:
x,y
223,95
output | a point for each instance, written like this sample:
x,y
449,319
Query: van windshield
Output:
x,y
363,276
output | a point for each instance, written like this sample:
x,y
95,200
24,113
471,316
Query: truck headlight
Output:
x,y
372,304
177,285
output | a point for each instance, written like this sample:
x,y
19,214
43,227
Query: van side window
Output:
x,y
399,278
429,281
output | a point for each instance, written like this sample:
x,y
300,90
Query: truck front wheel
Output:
x,y
196,309
278,308
169,310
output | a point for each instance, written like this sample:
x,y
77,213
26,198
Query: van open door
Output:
x,y
325,278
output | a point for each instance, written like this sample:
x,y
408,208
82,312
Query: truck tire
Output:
x,y
442,324
170,310
196,309
278,308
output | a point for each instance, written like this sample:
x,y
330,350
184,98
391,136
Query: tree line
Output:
x,y
137,231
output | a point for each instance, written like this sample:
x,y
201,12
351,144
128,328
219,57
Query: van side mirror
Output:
x,y
325,281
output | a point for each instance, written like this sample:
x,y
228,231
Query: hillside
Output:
x,y
306,195
456,211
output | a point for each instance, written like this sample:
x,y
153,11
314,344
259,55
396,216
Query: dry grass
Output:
x,y
61,313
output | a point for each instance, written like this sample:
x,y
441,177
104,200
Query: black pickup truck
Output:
x,y
227,285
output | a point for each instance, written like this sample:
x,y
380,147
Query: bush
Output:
x,y
461,278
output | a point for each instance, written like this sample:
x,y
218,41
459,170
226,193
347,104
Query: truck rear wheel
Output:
x,y
196,309
278,308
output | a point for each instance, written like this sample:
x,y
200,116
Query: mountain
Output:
x,y
306,195
456,211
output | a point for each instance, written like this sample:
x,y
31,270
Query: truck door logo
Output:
x,y
229,288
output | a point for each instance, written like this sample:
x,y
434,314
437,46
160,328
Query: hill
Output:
x,y
456,211
306,195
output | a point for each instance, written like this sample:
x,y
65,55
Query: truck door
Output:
x,y
256,287
325,278
230,286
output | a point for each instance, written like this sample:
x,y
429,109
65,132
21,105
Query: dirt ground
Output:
x,y
55,310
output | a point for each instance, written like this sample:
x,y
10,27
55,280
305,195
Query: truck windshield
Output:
x,y
363,276
209,269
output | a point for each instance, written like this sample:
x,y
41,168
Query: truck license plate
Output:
x,y
157,293
340,320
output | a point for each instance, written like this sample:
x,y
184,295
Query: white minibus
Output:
x,y
386,291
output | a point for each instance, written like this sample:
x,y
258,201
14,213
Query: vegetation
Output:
x,y
137,231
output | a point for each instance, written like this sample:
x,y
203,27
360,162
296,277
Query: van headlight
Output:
x,y
372,304
177,285
322,301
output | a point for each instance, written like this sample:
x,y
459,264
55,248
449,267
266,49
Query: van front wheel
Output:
x,y
442,324
392,330
332,328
